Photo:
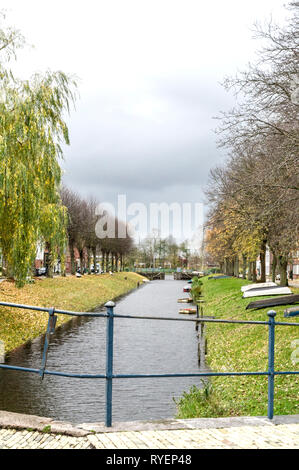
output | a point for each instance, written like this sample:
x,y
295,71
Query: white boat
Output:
x,y
267,291
255,286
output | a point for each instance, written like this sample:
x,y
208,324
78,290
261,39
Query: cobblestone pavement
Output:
x,y
239,437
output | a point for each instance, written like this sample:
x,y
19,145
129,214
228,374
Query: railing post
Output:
x,y
109,362
50,330
271,314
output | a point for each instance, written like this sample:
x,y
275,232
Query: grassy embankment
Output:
x,y
242,348
68,293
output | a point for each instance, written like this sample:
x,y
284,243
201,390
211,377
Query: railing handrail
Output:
x,y
144,317
109,375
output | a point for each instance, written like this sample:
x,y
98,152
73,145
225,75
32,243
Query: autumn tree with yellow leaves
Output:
x,y
254,196
32,130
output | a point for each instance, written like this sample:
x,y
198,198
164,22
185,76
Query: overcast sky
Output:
x,y
149,82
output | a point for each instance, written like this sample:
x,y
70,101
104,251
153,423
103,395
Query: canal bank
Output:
x,y
69,293
141,347
240,348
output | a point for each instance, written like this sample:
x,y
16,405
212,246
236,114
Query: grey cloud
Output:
x,y
114,147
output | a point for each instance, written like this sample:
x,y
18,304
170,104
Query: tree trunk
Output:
x,y
94,256
112,262
263,261
116,263
107,262
249,274
274,266
230,266
283,264
103,261
225,266
50,262
81,254
236,266
88,260
244,259
253,264
72,254
7,269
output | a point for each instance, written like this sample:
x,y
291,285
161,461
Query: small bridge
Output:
x,y
185,276
152,276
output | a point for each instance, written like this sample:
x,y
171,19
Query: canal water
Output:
x,y
140,346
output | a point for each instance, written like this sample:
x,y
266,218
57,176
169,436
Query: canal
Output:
x,y
140,346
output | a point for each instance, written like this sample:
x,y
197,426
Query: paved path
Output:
x,y
204,433
284,436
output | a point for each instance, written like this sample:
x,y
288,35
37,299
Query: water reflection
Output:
x,y
140,346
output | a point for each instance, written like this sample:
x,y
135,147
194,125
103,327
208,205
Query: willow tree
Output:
x,y
32,130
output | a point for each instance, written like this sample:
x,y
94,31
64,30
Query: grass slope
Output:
x,y
68,293
237,348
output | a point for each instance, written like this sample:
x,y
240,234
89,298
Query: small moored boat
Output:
x,y
277,290
190,311
187,288
258,286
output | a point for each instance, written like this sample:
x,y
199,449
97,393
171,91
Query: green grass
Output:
x,y
18,326
46,429
242,348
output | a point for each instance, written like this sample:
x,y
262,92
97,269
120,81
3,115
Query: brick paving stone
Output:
x,y
194,440
67,445
150,438
155,437
127,443
166,439
244,437
138,440
133,444
117,441
92,438
55,444
121,441
6,435
203,439
13,438
180,439
107,440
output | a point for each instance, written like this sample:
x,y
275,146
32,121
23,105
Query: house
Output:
x,y
42,259
293,265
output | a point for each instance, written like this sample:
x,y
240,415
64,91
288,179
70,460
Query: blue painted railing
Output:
x,y
110,376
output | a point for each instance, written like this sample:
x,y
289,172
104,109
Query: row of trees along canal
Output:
x,y
32,131
82,236
254,195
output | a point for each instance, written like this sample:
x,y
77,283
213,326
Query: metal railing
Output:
x,y
109,376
